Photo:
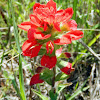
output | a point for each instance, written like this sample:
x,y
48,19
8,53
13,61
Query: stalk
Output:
x,y
53,80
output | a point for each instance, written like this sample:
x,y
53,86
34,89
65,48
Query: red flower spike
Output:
x,y
68,69
48,62
31,48
44,22
45,15
36,79
49,46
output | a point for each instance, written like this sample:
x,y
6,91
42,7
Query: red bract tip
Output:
x,y
25,26
36,79
75,35
49,47
39,69
48,62
68,55
59,51
28,44
31,48
68,69
72,25
52,4
64,40
32,34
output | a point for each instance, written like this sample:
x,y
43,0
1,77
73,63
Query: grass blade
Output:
x,y
78,92
22,90
16,88
74,8
1,60
40,95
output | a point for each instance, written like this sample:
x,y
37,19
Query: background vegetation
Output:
x,y
86,61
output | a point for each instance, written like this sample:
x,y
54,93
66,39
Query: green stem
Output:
x,y
53,80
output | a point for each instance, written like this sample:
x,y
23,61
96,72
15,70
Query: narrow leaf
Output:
x,y
78,92
1,60
53,96
16,88
62,86
40,95
22,90
47,74
61,76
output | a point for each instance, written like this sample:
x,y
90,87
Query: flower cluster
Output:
x,y
49,27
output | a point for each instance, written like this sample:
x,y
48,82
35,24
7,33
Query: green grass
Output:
x,y
21,81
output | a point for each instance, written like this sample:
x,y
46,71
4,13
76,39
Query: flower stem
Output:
x,y
53,80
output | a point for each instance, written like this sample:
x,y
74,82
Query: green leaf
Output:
x,y
78,92
62,86
31,5
42,52
5,73
53,96
61,76
61,63
40,95
76,85
67,96
49,81
47,74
